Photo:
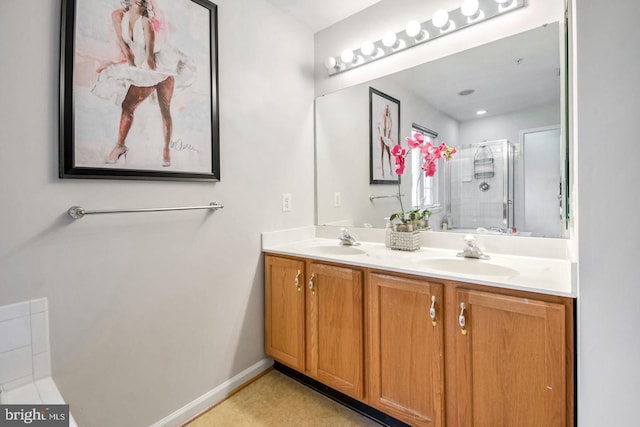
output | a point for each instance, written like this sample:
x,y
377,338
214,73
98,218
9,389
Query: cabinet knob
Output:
x,y
432,310
462,321
297,281
311,284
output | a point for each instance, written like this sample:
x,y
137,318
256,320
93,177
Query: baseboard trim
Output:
x,y
214,396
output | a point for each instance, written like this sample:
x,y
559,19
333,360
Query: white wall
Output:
x,y
508,126
608,102
150,311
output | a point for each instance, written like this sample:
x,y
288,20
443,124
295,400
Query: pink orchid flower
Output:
x,y
400,165
429,168
427,149
399,153
415,143
430,154
449,152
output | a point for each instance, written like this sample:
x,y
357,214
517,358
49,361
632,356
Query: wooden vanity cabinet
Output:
x,y
285,310
511,361
314,321
335,327
406,349
427,352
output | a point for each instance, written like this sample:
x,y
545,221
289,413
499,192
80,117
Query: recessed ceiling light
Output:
x,y
466,92
481,112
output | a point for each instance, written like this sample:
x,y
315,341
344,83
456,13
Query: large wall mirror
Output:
x,y
509,174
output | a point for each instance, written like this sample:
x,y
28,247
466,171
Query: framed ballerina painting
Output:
x,y
384,133
139,90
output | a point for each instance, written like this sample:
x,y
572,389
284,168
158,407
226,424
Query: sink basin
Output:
x,y
468,266
335,250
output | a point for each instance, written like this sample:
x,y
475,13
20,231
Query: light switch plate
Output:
x,y
286,202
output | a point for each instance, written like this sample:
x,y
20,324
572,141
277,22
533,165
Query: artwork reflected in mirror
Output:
x,y
384,133
499,104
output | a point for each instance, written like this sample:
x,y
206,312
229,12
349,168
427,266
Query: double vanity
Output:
x,y
426,337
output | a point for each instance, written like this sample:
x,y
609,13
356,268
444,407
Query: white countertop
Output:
x,y
551,276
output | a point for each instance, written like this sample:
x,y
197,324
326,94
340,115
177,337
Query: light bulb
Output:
x,y
330,63
481,112
367,48
389,39
470,7
504,5
440,18
347,56
413,28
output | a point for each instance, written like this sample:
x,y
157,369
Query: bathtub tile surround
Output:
x,y
24,343
25,361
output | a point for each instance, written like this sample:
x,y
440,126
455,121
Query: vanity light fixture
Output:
x,y
368,48
332,63
442,23
391,40
414,30
348,57
506,5
471,9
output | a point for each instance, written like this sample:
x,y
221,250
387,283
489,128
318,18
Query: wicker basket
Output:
x,y
405,240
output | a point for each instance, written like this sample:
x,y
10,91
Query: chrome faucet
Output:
x,y
471,249
346,239
503,230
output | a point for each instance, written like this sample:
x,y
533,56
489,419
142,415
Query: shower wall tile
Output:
x,y
39,305
15,333
15,364
24,343
28,393
12,311
17,383
40,332
471,207
41,365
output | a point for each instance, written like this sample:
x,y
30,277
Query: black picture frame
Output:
x,y
92,61
384,133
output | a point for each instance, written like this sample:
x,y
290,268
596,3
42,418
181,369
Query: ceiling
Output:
x,y
511,74
320,14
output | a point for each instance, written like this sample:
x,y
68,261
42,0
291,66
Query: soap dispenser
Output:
x,y
387,232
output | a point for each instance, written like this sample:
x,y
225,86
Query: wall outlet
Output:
x,y
337,199
286,202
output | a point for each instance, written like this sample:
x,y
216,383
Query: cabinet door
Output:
x,y
335,349
510,361
405,349
284,310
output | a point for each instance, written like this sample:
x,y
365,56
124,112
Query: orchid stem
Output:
x,y
400,199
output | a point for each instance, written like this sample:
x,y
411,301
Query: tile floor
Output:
x,y
277,400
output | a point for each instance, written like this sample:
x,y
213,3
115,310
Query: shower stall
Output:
x,y
481,187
